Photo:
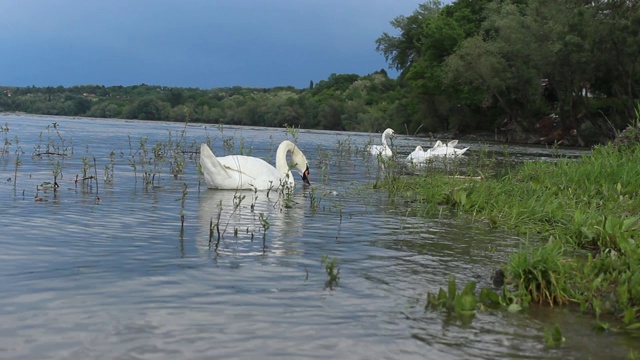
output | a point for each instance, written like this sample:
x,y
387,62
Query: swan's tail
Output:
x,y
210,165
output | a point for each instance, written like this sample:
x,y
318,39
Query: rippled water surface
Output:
x,y
107,272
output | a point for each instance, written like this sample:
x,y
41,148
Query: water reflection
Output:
x,y
250,222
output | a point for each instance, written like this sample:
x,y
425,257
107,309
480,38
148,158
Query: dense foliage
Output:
x,y
492,65
342,102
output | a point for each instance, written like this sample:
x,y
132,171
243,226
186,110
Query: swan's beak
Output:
x,y
305,176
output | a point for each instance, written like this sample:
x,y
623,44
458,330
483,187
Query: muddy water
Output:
x,y
117,277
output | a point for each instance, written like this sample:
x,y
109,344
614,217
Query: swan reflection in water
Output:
x,y
242,216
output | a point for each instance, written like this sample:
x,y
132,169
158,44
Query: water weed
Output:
x,y
16,162
182,206
264,222
6,143
553,337
293,131
462,304
332,270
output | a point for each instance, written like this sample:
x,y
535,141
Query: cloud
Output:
x,y
197,43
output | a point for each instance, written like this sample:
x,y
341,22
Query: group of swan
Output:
x,y
419,155
439,149
236,172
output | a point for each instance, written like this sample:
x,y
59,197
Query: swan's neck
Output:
x,y
384,139
281,156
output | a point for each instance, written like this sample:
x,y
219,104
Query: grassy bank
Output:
x,y
582,219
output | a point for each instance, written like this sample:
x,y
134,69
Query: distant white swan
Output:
x,y
383,150
246,172
448,150
419,155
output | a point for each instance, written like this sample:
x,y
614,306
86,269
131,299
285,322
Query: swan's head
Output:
x,y
300,164
298,160
389,132
305,176
419,148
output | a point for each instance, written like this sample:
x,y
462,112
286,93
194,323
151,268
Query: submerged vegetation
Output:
x,y
333,271
581,219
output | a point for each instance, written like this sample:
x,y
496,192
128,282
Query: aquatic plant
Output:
x,y
16,165
109,169
86,167
314,199
182,206
55,144
323,162
216,226
332,270
346,148
264,222
462,304
57,172
95,177
6,143
158,151
293,131
553,337
228,143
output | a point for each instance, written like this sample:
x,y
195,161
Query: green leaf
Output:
x,y
442,297
489,297
601,326
587,233
514,308
629,222
466,303
554,337
452,291
634,326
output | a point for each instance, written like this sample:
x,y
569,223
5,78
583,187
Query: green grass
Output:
x,y
582,218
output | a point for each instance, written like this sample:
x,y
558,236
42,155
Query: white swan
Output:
x,y
383,150
246,172
417,156
448,150
439,149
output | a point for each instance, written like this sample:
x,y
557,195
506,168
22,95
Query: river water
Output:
x,y
107,271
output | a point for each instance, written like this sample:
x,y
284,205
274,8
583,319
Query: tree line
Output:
x,y
473,65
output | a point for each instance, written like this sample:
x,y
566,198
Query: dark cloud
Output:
x,y
193,43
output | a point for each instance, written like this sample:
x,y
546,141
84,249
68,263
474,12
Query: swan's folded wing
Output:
x,y
249,168
238,170
452,143
210,163
375,149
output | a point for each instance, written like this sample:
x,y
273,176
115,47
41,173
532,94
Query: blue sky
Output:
x,y
192,43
